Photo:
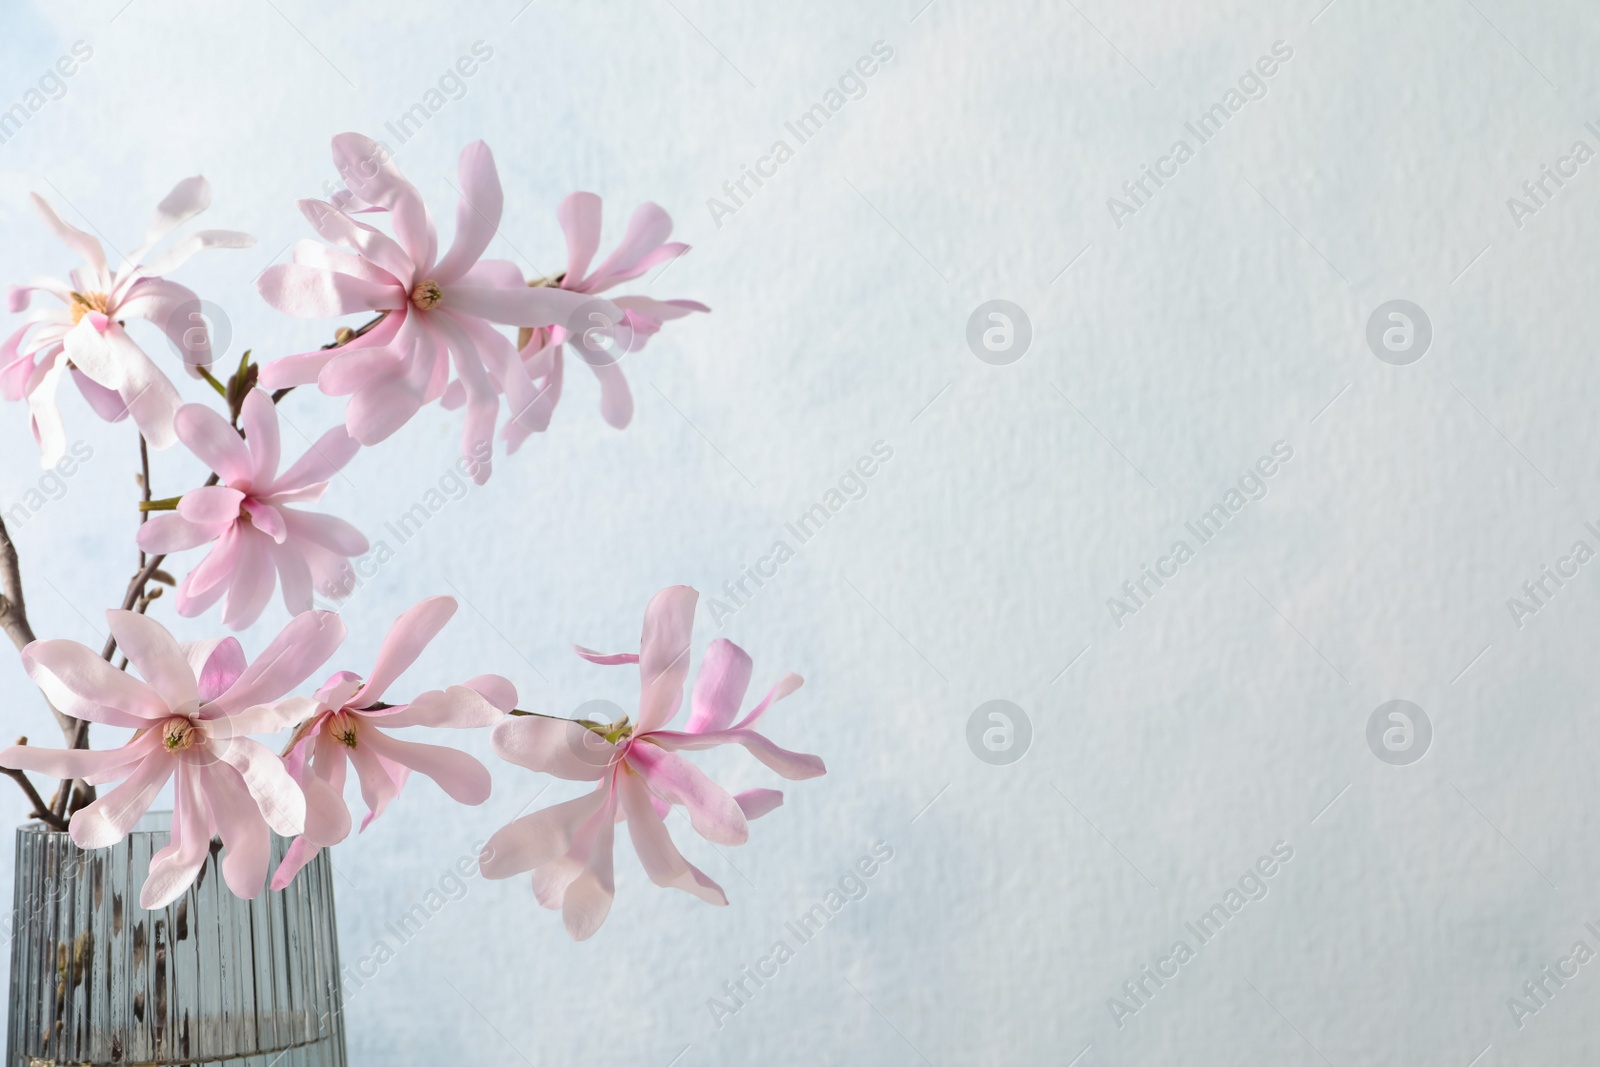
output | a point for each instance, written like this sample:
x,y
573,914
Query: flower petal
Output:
x,y
218,445
273,792
720,687
462,777
407,637
369,172
174,867
311,293
110,818
72,237
157,655
539,838
542,306
246,841
458,707
660,857
715,814
252,581
304,645
758,802
477,214
171,532
81,684
325,458
258,418
211,505
664,655
100,764
579,215
558,747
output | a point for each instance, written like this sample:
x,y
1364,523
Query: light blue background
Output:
x,y
1168,354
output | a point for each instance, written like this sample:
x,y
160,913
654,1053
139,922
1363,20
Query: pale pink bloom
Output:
x,y
247,515
86,335
346,722
192,713
599,341
568,847
437,309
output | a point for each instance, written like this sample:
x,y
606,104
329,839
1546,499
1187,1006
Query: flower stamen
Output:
x,y
178,734
83,303
426,295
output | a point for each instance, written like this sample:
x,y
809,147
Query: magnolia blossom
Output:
x,y
248,516
345,723
86,334
600,342
190,715
568,847
435,309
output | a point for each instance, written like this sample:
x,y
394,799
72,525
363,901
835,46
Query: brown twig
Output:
x,y
41,810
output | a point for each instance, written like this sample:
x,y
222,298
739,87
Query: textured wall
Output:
x,y
1216,321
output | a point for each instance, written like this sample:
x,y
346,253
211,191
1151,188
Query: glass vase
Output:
x,y
208,979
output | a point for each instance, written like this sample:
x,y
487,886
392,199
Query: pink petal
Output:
x,y
211,505
107,403
369,172
301,851
606,659
407,637
156,654
463,778
382,252
311,293
182,251
579,215
714,814
477,215
294,576
758,802
543,306
540,838
81,684
616,401
89,350
273,793
325,458
496,273
269,520
588,897
110,818
72,237
171,532
795,766
218,445
258,418
559,747
664,655
785,685
649,227
173,868
331,533
213,572
483,403
148,394
458,707
379,410
252,581
175,310
660,857
496,690
216,663
303,368
720,687
327,818
247,843
103,764
378,787
187,199
304,645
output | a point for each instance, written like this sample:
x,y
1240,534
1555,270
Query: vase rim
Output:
x,y
150,824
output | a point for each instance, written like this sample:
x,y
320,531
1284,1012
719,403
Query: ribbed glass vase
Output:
x,y
209,979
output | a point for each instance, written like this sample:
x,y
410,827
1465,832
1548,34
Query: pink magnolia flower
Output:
x,y
568,847
644,246
346,722
248,516
86,335
191,714
435,309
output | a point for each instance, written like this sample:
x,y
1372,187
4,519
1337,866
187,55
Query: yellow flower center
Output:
x,y
426,295
83,303
343,729
178,734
